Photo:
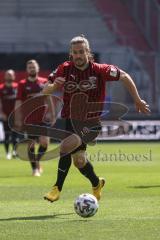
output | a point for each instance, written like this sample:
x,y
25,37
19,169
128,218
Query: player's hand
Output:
x,y
59,81
142,106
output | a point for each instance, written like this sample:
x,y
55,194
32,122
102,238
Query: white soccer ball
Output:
x,y
86,205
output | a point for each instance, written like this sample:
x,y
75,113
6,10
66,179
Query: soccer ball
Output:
x,y
86,205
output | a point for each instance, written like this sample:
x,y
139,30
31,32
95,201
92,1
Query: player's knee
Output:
x,y
70,144
79,163
64,147
79,159
44,142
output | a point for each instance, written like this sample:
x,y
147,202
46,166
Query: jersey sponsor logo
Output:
x,y
28,88
83,86
113,72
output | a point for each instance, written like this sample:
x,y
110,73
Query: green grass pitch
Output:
x,y
129,208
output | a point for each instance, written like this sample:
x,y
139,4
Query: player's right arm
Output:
x,y
18,115
3,116
52,87
56,81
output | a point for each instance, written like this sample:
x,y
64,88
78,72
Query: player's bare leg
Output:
x,y
31,155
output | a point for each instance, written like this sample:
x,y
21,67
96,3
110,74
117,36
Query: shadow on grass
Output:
x,y
147,186
44,217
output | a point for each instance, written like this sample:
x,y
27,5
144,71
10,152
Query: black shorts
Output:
x,y
69,127
80,128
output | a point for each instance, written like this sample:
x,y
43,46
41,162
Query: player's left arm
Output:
x,y
128,82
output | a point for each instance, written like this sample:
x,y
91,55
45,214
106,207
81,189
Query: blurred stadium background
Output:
x,y
121,32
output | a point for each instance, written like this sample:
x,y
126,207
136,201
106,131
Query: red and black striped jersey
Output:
x,y
28,89
91,82
8,97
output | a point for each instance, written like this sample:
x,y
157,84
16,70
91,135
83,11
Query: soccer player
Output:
x,y
82,75
27,88
8,91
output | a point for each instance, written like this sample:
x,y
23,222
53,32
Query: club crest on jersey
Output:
x,y
113,72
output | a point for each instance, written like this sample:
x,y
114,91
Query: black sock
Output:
x,y
41,152
6,142
89,173
6,145
14,146
31,155
63,168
